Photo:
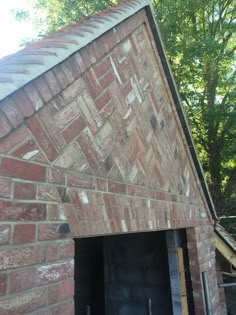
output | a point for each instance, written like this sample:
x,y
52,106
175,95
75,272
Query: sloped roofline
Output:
x,y
22,67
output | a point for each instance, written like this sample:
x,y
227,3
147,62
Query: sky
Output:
x,y
11,31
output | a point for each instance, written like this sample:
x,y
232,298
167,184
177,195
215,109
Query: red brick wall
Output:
x,y
94,146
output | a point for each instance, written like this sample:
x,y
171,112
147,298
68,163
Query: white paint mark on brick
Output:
x,y
130,97
115,70
150,224
136,90
133,174
84,197
30,154
127,46
124,226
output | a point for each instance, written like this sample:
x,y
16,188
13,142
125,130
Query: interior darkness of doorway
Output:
x,y
119,275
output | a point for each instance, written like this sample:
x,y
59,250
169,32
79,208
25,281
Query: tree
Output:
x,y
200,40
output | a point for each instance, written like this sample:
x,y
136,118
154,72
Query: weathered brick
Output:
x,y
11,112
73,90
33,96
13,139
23,103
71,69
24,190
66,249
22,256
47,192
116,187
61,77
28,150
43,89
21,280
56,176
5,127
66,115
5,187
24,233
52,231
5,234
53,292
24,302
15,211
51,252
3,284
103,67
88,55
66,289
42,138
21,169
68,157
54,272
52,82
80,180
74,129
103,100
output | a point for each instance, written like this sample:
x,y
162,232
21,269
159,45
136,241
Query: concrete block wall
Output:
x,y
94,146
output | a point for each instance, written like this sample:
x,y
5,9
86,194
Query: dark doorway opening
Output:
x,y
122,275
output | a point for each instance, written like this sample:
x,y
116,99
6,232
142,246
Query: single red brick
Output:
x,y
53,291
81,181
101,184
51,252
22,256
71,69
12,113
24,302
5,187
66,289
60,75
24,233
5,234
52,231
21,169
24,191
3,284
88,55
54,272
48,192
21,280
74,129
33,95
13,139
66,249
27,150
52,82
23,103
102,68
42,138
80,62
5,127
17,211
56,176
43,88
107,79
116,187
87,152
102,100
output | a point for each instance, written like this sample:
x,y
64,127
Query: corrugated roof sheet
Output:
x,y
18,69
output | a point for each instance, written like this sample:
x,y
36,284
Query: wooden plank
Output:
x,y
182,281
225,250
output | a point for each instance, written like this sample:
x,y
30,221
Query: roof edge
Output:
x,y
60,45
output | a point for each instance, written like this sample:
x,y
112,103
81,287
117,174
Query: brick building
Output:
x,y
103,204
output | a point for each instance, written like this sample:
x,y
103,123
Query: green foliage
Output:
x,y
200,40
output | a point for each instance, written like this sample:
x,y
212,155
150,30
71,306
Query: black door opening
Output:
x,y
122,275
